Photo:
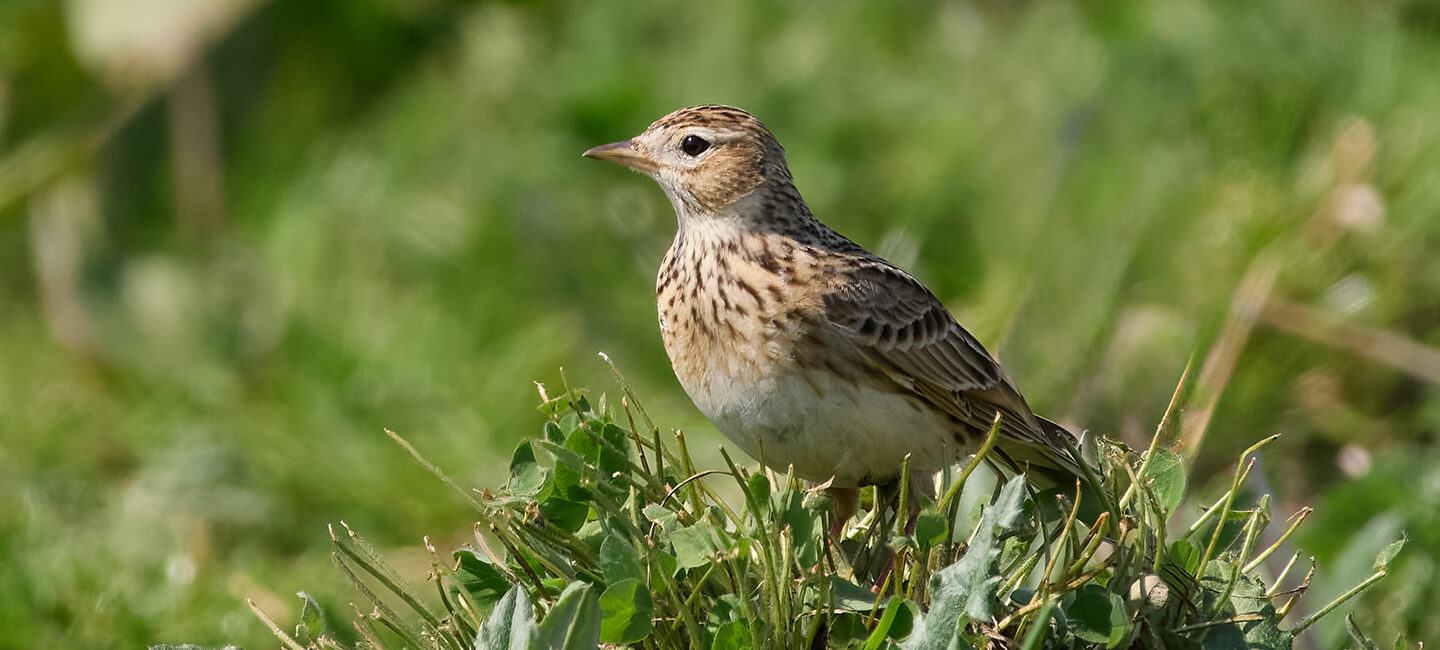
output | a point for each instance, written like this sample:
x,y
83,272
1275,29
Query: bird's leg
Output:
x,y
888,496
920,484
847,501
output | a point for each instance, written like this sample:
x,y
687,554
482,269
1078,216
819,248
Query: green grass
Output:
x,y
613,535
410,237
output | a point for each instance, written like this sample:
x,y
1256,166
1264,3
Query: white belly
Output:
x,y
836,428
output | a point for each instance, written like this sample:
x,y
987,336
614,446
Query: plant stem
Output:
x,y
1299,518
274,629
1354,591
1038,628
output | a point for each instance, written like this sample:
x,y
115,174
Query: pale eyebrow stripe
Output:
x,y
723,137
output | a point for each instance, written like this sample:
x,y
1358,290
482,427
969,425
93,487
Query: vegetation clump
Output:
x,y
607,533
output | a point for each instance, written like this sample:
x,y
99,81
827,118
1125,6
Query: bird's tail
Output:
x,y
1047,460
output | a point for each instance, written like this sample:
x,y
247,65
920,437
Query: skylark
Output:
x,y
803,348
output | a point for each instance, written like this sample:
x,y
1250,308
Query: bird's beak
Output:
x,y
623,153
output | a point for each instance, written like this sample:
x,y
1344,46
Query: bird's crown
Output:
x,y
713,116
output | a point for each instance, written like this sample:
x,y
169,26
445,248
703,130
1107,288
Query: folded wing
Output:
x,y
902,328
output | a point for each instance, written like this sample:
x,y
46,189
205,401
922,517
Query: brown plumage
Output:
x,y
802,347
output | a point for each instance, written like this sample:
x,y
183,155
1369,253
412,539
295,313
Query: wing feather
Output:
x,y
891,316
903,328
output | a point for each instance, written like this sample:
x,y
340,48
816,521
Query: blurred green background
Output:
x,y
238,238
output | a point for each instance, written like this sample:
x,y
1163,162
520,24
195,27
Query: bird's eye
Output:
x,y
694,145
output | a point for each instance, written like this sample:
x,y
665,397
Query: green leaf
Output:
x,y
1382,561
851,597
930,529
966,589
625,609
312,620
758,490
568,515
567,478
593,532
619,561
694,546
661,565
526,476
574,622
1247,599
1232,525
1185,555
582,442
848,630
553,406
479,578
1166,477
1089,616
803,530
511,625
613,457
568,424
726,608
734,635
563,500
1097,616
896,623
661,515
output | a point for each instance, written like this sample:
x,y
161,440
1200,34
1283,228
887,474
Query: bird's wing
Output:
x,y
891,316
897,323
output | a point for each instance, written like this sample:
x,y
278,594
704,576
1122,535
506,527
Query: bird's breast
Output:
x,y
722,326
735,308
745,328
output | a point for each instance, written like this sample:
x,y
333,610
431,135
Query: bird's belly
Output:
x,y
829,426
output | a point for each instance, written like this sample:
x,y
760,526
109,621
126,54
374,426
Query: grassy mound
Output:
x,y
607,533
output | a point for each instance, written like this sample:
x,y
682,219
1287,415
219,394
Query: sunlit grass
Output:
x,y
607,532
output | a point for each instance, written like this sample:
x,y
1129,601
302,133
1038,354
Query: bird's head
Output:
x,y
707,158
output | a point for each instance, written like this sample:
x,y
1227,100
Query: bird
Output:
x,y
807,351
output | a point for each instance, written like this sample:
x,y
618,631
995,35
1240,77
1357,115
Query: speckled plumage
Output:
x,y
799,345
